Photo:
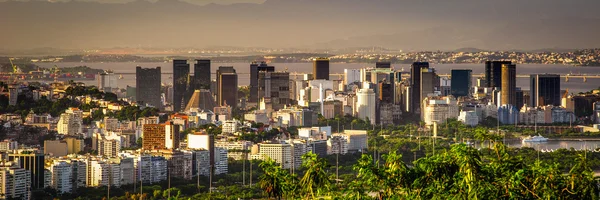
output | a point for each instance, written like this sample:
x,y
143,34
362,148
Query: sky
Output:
x,y
318,24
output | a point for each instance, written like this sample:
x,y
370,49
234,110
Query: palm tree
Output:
x,y
271,181
315,176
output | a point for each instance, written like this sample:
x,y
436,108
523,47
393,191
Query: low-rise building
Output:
x,y
469,118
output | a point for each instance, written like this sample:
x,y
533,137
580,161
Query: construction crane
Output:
x,y
14,70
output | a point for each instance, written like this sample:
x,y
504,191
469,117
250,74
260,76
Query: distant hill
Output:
x,y
469,50
406,25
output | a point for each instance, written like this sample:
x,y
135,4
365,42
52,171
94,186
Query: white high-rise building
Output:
x,y
200,162
128,173
101,173
220,161
280,153
299,148
15,182
109,148
70,122
365,106
61,174
351,76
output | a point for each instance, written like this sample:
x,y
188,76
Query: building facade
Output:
x,y
147,84
545,90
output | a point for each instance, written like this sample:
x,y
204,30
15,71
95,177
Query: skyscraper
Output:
x,y
509,85
545,90
415,83
147,83
493,73
366,105
276,87
255,69
227,86
181,72
201,75
461,82
321,69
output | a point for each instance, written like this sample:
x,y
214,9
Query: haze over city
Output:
x,y
314,24
299,99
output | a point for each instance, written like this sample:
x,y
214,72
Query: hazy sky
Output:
x,y
398,24
198,2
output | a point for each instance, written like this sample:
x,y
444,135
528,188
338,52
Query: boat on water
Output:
x,y
537,138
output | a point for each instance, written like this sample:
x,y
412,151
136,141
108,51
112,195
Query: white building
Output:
x,y
8,145
357,139
439,109
337,144
351,76
469,118
280,153
221,166
70,122
258,116
109,147
128,173
200,162
15,182
298,148
366,105
317,133
198,141
102,173
230,126
149,169
235,149
61,174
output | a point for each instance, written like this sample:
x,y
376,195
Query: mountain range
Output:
x,y
408,25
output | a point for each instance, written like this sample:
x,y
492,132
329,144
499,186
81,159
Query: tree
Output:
x,y
315,177
273,179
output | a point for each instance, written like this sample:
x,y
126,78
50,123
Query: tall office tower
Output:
x,y
545,90
385,92
493,73
321,69
520,98
181,72
160,136
430,82
461,82
383,65
227,86
147,83
415,84
276,87
509,85
33,161
366,105
255,68
201,75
